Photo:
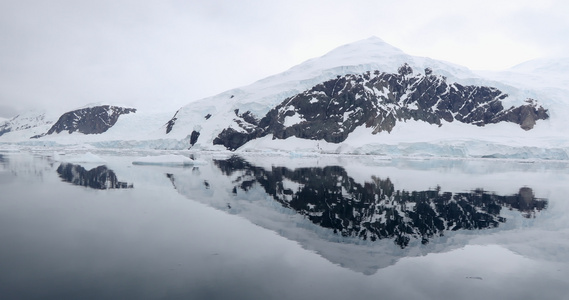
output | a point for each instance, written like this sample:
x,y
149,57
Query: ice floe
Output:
x,y
79,158
167,160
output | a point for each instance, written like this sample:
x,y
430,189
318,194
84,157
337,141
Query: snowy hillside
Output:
x,y
97,125
31,123
237,110
334,109
260,97
546,67
431,108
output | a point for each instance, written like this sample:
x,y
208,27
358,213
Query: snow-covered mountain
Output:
x,y
93,124
367,97
89,120
332,110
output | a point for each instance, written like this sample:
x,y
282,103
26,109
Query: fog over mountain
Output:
x,y
161,55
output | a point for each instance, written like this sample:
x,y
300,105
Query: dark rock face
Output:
x,y
100,178
172,122
90,120
376,210
249,129
335,108
5,128
194,137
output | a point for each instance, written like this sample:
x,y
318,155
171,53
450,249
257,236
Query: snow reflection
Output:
x,y
376,209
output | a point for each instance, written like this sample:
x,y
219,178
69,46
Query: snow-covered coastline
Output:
x,y
206,118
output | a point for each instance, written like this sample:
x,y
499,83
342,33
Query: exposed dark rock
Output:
x,y
194,137
249,118
404,70
249,129
4,128
37,136
335,108
525,115
171,122
91,120
232,139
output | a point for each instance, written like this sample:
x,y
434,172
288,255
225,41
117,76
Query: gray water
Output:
x,y
278,227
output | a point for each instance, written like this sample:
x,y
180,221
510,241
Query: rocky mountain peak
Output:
x,y
90,120
405,70
333,109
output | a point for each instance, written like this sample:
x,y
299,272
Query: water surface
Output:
x,y
283,228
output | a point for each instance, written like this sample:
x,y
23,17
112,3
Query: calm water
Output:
x,y
281,227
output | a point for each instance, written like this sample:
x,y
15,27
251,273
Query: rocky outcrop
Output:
x,y
194,137
170,124
249,128
331,110
91,120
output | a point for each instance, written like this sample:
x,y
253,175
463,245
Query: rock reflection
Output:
x,y
100,177
376,210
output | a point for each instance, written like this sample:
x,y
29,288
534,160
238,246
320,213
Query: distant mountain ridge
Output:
x,y
25,121
89,120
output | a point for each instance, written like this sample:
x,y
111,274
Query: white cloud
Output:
x,y
68,53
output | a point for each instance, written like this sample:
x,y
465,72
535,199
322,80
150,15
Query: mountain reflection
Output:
x,y
376,210
100,177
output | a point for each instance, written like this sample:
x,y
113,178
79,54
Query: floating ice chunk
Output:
x,y
222,155
295,154
9,148
82,158
382,157
167,160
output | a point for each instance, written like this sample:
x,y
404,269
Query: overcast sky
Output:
x,y
66,54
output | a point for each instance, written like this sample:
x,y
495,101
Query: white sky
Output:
x,y
66,54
